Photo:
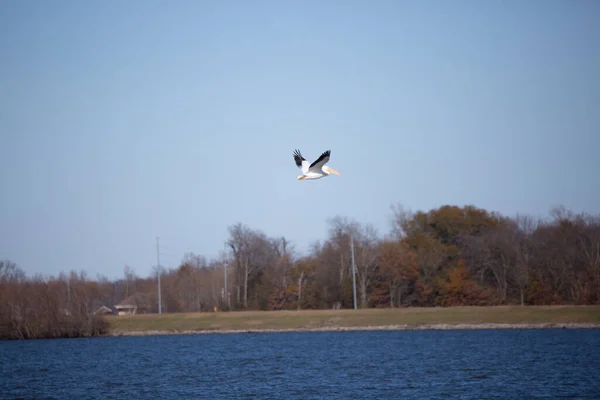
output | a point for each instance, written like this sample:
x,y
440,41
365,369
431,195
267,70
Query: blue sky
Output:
x,y
123,121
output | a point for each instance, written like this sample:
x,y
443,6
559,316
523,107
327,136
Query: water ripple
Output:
x,y
484,364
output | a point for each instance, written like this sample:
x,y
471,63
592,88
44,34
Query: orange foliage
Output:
x,y
449,224
539,294
283,299
398,266
458,289
526,260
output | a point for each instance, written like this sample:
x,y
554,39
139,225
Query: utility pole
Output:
x,y
158,266
225,265
353,270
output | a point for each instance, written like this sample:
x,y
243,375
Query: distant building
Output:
x,y
137,303
103,310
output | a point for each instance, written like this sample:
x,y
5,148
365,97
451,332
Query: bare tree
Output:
x,y
401,221
524,249
339,239
10,272
330,274
253,252
130,278
194,260
589,243
365,240
366,251
284,253
503,244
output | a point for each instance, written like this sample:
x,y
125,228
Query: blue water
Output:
x,y
480,364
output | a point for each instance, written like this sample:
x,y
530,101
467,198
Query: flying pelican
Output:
x,y
317,169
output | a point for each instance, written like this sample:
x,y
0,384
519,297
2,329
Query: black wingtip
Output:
x,y
298,158
298,154
326,153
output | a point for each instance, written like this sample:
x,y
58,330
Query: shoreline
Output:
x,y
405,327
378,319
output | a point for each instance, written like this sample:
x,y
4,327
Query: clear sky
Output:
x,y
123,121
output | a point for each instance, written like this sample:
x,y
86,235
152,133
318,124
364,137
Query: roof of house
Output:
x,y
97,304
139,300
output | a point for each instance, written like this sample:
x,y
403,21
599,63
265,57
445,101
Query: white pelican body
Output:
x,y
317,169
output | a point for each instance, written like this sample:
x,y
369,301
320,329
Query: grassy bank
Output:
x,y
405,318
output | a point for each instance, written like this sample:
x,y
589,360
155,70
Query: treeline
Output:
x,y
445,257
40,307
448,256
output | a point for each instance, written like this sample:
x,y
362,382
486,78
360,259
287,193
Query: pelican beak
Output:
x,y
301,178
333,171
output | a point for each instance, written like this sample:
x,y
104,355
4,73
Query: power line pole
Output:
x,y
225,265
158,266
353,270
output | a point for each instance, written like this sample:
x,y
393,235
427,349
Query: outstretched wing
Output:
x,y
319,162
300,161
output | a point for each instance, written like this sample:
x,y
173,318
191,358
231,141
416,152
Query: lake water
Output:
x,y
478,364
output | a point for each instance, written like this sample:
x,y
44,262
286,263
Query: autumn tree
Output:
x,y
439,237
457,289
445,256
398,271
